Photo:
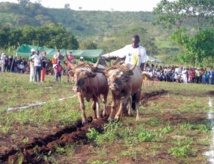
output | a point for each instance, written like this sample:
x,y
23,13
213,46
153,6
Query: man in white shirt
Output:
x,y
31,64
2,61
37,65
134,53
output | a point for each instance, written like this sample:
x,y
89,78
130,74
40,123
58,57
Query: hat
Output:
x,y
81,57
32,50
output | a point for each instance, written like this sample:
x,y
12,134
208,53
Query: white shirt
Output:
x,y
37,60
2,59
134,55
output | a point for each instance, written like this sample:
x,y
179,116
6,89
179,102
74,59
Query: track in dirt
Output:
x,y
75,133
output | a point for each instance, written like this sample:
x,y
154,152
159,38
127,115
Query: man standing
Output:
x,y
2,62
134,53
211,76
37,65
31,64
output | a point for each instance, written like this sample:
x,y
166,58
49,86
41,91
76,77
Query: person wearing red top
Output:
x,y
68,67
59,69
191,75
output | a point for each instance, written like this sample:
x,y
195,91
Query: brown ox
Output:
x,y
125,84
90,85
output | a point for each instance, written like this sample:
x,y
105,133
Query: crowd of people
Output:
x,y
39,62
181,74
13,64
36,65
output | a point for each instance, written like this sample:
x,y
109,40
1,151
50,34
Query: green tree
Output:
x,y
200,14
124,37
67,6
87,44
198,49
15,38
28,35
4,36
179,13
49,35
24,3
57,36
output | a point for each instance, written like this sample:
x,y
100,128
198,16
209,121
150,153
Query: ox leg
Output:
x,y
123,103
82,107
96,107
137,104
113,106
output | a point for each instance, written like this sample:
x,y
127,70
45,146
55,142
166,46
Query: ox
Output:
x,y
125,83
89,85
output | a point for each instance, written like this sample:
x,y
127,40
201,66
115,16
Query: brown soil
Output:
x,y
46,142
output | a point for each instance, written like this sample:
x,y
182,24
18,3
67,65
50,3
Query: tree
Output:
x,y
198,49
4,36
124,37
179,13
67,6
15,38
87,44
59,37
38,2
198,14
49,35
24,3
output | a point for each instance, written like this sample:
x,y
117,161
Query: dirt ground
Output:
x,y
45,142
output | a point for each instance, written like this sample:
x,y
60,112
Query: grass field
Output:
x,y
174,125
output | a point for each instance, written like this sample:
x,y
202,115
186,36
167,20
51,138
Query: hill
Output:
x,y
105,28
81,23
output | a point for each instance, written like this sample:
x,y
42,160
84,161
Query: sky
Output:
x,y
109,5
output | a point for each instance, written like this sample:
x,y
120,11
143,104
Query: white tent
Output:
x,y
118,52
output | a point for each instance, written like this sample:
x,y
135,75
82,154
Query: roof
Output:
x,y
24,51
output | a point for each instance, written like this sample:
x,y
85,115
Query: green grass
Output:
x,y
173,125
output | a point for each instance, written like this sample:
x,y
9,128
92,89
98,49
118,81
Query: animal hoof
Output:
x,y
84,123
137,118
110,120
116,119
90,119
104,115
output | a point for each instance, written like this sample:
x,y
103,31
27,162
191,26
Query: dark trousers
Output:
x,y
37,73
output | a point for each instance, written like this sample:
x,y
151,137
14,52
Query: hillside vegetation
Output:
x,y
109,30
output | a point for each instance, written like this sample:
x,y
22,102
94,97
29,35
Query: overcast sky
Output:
x,y
116,5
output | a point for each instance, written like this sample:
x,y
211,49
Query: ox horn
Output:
x,y
94,67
